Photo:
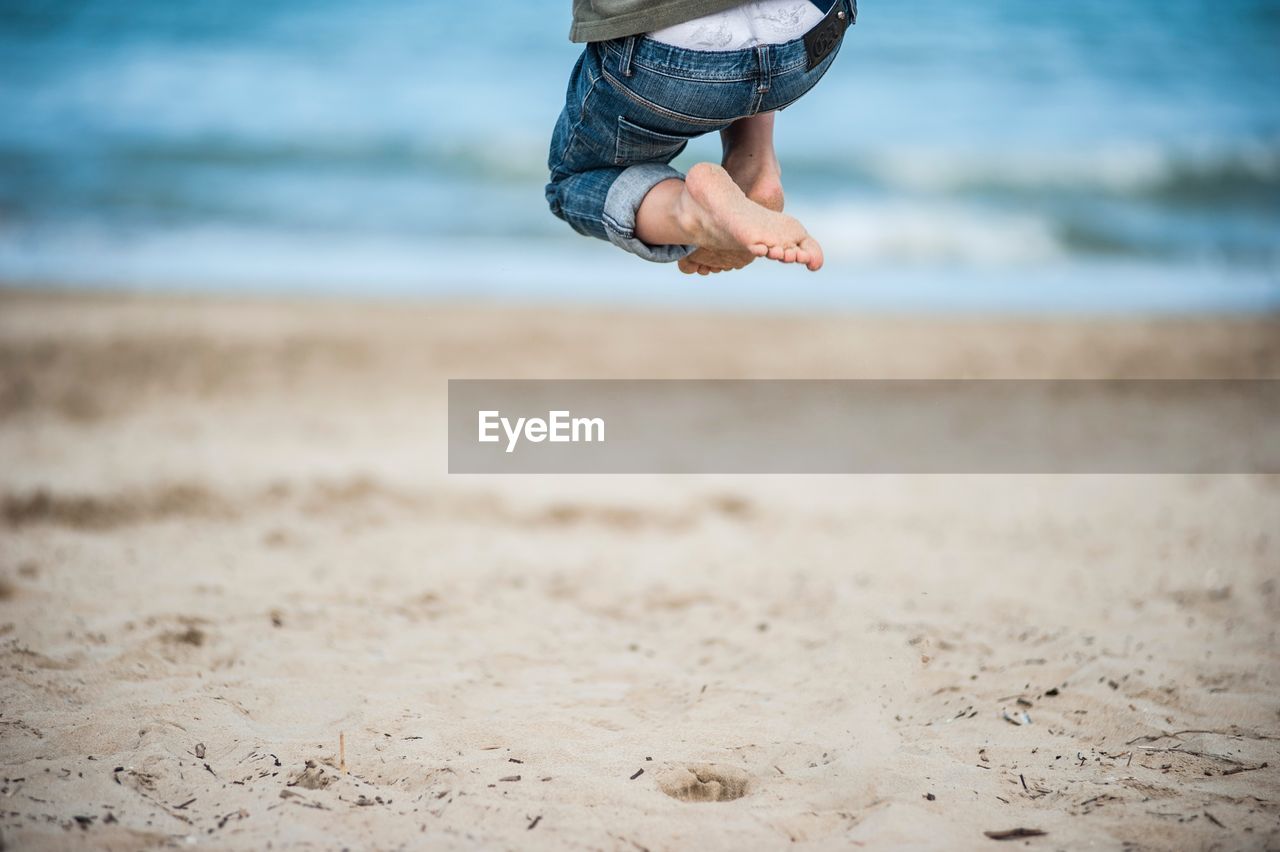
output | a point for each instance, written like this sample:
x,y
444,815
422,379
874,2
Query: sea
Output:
x,y
1003,156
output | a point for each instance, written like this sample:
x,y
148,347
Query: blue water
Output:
x,y
1004,155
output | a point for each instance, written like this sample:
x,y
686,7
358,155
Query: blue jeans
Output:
x,y
634,103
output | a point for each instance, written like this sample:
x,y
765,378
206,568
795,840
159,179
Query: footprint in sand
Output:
x,y
704,782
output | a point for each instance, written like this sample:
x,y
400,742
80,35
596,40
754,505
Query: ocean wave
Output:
x,y
1243,173
951,233
931,233
1245,176
1234,175
507,160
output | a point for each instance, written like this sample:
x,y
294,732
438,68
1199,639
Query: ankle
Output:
x,y
763,163
690,216
660,220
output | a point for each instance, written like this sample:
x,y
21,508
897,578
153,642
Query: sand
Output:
x,y
243,606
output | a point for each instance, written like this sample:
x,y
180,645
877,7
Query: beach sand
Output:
x,y
243,606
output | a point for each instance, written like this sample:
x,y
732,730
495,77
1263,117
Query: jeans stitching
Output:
x,y
703,78
661,72
663,111
613,225
637,63
619,159
582,108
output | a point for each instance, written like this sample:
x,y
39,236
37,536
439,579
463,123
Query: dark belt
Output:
x,y
825,35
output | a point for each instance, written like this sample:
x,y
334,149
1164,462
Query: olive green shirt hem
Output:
x,y
632,17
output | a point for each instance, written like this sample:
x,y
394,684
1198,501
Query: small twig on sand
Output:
x,y
1189,752
1237,734
342,752
1015,833
1237,770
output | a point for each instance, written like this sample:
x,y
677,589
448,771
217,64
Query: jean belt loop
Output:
x,y
764,67
852,6
628,50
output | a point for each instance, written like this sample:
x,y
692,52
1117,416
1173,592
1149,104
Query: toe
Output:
x,y
811,247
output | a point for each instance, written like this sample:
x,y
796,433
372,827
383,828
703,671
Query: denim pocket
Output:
x,y
677,96
636,144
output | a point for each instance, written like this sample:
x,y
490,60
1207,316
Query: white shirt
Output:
x,y
751,24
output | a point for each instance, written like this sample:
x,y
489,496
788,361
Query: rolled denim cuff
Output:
x,y
621,204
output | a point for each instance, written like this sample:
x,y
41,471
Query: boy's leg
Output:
x,y
592,190
619,187
709,210
751,161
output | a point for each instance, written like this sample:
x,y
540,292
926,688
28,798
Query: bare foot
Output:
x,y
760,183
734,229
750,160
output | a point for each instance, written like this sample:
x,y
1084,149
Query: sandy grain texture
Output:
x,y
228,539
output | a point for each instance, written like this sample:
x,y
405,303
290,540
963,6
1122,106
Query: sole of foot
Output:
x,y
763,185
738,229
